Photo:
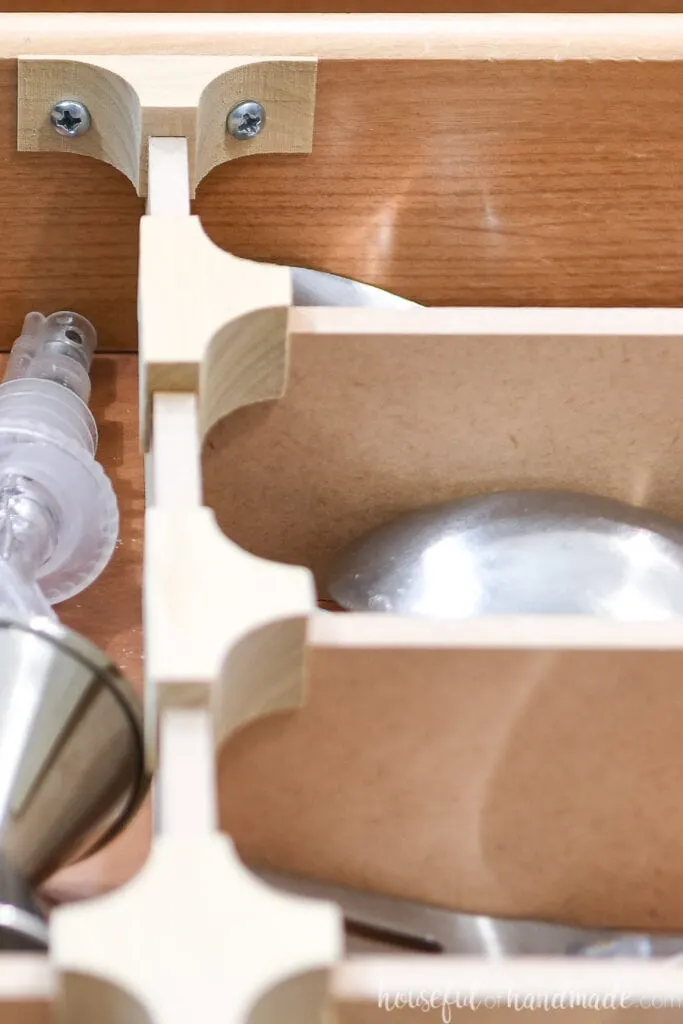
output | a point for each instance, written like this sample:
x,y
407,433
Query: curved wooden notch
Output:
x,y
246,361
221,938
216,611
204,301
131,99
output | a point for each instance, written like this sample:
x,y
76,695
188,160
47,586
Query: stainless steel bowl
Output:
x,y
517,552
316,288
382,924
72,769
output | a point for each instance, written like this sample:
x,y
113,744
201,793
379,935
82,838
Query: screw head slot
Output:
x,y
70,118
246,120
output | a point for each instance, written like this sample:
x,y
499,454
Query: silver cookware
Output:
x,y
517,552
72,769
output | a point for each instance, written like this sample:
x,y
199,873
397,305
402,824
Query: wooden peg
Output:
x,y
132,98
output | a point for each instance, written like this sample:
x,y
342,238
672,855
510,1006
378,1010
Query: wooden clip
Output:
x,y
133,98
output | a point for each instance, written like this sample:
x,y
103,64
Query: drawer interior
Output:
x,y
475,182
384,412
464,179
466,767
519,767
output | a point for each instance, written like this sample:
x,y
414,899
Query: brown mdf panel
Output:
x,y
373,424
475,183
528,783
27,1012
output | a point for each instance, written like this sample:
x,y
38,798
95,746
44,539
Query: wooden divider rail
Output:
x,y
420,759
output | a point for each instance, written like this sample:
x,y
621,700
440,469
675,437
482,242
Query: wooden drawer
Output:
x,y
518,178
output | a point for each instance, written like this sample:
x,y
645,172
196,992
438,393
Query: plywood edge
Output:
x,y
246,362
27,977
482,321
216,295
28,988
373,630
247,358
500,981
548,37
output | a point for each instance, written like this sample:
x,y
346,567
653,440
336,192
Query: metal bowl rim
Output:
x,y
93,658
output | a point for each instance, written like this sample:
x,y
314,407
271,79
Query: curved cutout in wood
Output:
x,y
245,362
218,613
283,1002
88,997
263,673
131,98
208,309
193,887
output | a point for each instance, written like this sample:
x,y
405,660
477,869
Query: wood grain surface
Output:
x,y
506,182
472,183
346,6
351,37
453,182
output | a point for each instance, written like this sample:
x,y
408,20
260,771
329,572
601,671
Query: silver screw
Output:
x,y
246,120
70,117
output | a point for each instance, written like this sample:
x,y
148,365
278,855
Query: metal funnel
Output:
x,y
72,769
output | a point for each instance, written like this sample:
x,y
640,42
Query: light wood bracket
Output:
x,y
133,98
218,300
193,893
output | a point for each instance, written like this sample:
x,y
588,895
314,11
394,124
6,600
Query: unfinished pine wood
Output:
x,y
228,317
500,991
221,938
219,302
410,35
369,1012
220,620
27,989
133,98
531,179
375,420
222,628
438,989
